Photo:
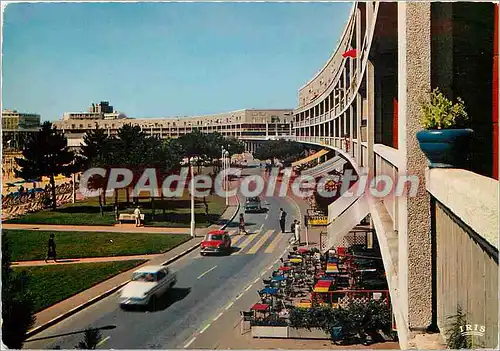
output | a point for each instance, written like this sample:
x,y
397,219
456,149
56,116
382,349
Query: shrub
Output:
x,y
441,113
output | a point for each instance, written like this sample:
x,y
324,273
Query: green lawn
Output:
x,y
168,212
32,244
51,284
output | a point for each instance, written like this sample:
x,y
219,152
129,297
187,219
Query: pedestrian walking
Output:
x,y
282,220
137,215
242,225
51,249
206,206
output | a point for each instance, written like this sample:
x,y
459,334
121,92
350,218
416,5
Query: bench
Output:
x,y
125,217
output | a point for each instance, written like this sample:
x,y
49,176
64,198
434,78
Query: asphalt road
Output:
x,y
207,286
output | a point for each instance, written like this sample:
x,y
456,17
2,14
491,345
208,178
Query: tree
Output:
x,y
97,151
18,306
285,150
91,340
234,146
46,154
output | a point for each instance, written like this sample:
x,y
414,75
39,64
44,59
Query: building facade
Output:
x,y
250,125
440,247
102,110
16,128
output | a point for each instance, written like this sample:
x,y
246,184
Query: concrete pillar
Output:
x,y
414,240
351,133
344,85
358,43
358,127
370,123
334,128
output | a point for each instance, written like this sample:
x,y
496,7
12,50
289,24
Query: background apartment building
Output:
x,y
16,128
250,125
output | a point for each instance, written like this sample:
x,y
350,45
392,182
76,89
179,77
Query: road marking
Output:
x,y
103,341
237,239
229,306
248,288
274,243
256,280
246,242
190,342
205,328
211,269
261,226
238,297
267,216
270,267
218,316
261,241
262,274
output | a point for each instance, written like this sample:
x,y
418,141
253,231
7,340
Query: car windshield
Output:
x,y
253,199
144,277
214,237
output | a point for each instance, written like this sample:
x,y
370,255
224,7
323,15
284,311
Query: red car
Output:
x,y
216,241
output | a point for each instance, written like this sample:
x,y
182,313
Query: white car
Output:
x,y
147,284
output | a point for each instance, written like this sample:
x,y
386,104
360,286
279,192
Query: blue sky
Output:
x,y
164,59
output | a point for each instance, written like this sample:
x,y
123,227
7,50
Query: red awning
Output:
x,y
260,307
324,283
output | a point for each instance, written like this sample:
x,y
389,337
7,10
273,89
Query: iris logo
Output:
x,y
469,329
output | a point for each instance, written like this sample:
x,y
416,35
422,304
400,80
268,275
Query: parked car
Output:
x,y
253,204
147,285
216,241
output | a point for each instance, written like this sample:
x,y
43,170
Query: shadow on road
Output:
x,y
162,303
236,225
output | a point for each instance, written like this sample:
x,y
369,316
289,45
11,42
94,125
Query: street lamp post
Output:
x,y
228,165
225,153
193,223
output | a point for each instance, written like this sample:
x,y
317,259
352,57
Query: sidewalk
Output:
x,y
313,233
65,308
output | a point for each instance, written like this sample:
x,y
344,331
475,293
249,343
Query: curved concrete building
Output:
x,y
251,125
440,244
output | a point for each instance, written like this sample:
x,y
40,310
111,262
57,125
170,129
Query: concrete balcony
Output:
x,y
464,215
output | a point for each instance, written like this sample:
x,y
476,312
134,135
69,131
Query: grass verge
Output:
x,y
172,212
51,284
28,245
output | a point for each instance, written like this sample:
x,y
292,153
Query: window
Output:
x,y
214,237
160,275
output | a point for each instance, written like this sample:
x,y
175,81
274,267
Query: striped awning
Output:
x,y
310,158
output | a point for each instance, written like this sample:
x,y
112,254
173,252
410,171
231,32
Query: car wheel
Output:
x,y
202,253
152,303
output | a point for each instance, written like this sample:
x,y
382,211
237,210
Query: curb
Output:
x,y
84,305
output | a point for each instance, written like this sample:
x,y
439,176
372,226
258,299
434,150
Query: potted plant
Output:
x,y
445,140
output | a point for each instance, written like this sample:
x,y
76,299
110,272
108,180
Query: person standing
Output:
x,y
242,225
282,220
51,252
137,215
297,232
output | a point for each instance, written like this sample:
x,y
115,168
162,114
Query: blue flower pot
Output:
x,y
446,148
